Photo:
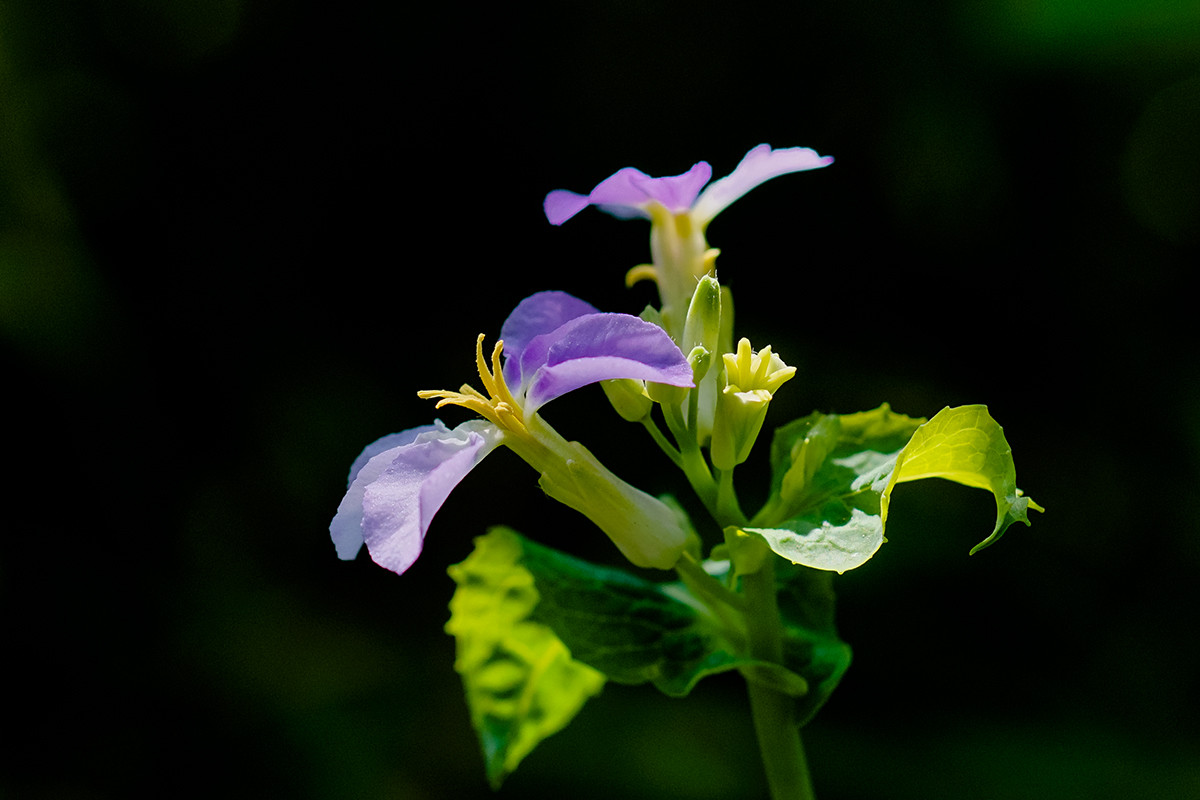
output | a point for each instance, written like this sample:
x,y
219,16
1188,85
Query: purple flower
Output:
x,y
554,343
630,192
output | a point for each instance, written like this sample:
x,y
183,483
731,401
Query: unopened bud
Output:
x,y
703,325
700,360
739,418
750,382
628,397
666,394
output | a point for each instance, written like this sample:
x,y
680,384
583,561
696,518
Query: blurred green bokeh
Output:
x,y
236,238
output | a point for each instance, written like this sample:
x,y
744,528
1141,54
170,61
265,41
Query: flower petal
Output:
x,y
627,192
598,347
758,166
677,192
346,527
410,484
617,191
561,204
535,315
620,195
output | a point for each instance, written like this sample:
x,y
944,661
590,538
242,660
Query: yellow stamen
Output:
x,y
498,406
642,272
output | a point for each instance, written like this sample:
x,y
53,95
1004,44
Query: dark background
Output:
x,y
236,238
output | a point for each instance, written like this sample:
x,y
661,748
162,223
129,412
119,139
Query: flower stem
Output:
x,y
661,440
691,460
774,712
705,585
729,510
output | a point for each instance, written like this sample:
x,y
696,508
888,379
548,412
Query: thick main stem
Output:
x,y
773,711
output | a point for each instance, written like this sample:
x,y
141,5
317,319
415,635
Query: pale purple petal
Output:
x,y
346,527
535,315
620,193
628,192
561,204
677,192
415,479
758,166
598,347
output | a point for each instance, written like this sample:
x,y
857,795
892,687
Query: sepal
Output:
x,y
739,418
646,530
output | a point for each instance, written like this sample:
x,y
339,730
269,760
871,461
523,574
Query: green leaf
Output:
x,y
810,643
832,537
539,631
521,683
633,630
637,631
827,469
967,446
832,478
822,456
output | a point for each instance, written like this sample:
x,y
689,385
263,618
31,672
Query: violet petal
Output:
x,y
346,527
598,347
627,192
758,166
535,315
620,193
415,479
677,192
561,204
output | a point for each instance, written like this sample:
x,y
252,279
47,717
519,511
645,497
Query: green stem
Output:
x,y
700,582
774,712
729,511
661,439
691,460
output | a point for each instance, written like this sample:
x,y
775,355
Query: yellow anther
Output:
x,y
498,406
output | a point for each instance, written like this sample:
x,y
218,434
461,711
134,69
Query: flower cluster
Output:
x,y
679,358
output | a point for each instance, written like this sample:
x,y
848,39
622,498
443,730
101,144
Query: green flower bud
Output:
x,y
666,394
700,359
750,382
702,327
629,398
740,417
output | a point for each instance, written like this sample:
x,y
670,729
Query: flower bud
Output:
x,y
666,394
702,328
700,359
750,382
628,397
739,418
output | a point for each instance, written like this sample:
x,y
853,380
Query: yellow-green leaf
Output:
x,y
520,681
967,446
833,478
